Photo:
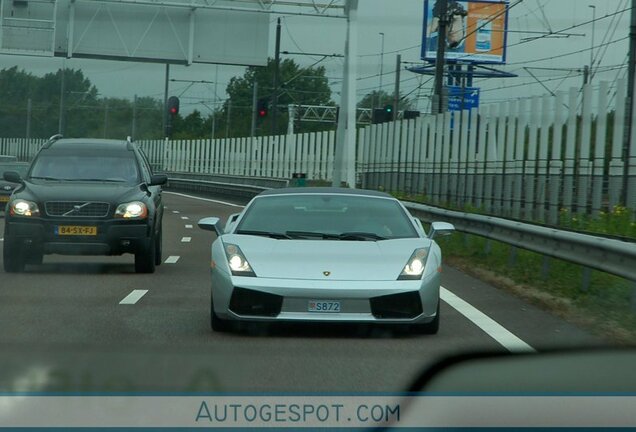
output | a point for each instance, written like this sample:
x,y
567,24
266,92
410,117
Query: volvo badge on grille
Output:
x,y
76,209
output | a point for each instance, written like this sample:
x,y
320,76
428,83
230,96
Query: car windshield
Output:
x,y
109,167
327,216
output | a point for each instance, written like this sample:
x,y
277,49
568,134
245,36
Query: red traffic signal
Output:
x,y
262,108
173,105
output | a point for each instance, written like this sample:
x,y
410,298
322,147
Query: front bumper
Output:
x,y
114,237
360,301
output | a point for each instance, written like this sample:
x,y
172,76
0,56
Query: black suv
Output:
x,y
85,197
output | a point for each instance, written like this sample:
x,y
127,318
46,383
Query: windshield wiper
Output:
x,y
96,180
312,234
360,236
46,178
274,235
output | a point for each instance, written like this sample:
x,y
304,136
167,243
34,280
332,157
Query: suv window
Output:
x,y
145,165
110,166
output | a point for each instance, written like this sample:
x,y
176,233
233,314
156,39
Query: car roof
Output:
x,y
325,190
92,143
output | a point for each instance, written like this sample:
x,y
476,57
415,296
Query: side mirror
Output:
x,y
158,180
440,229
211,224
12,177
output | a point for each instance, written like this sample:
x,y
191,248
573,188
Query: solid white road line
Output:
x,y
133,297
188,226
205,199
172,259
186,239
491,327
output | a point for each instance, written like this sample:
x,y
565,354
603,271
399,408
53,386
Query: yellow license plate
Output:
x,y
4,198
76,230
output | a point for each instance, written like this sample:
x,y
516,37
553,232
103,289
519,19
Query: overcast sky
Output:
x,y
401,22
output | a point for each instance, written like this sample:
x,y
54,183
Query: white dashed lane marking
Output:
x,y
188,226
491,327
175,211
185,217
186,239
133,297
205,199
172,259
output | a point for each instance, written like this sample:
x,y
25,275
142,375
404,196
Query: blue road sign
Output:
x,y
462,98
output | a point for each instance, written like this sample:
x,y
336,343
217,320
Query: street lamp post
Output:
x,y
592,47
381,70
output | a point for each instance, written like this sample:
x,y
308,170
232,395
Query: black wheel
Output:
x,y
427,328
218,324
159,247
145,258
35,257
13,257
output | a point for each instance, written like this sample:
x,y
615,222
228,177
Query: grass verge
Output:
x,y
604,308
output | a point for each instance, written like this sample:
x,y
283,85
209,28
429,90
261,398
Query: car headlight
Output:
x,y
237,261
132,210
22,207
415,265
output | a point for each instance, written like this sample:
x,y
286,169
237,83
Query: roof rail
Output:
x,y
52,140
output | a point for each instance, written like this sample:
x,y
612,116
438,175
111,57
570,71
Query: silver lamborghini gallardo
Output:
x,y
325,255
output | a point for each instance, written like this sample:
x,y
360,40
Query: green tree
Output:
x,y
298,85
191,126
380,98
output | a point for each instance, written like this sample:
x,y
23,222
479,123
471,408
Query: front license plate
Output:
x,y
76,230
4,198
332,306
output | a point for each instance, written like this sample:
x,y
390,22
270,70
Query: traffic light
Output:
x,y
173,105
409,114
262,108
383,115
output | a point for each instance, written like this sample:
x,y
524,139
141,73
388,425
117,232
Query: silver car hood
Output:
x,y
310,259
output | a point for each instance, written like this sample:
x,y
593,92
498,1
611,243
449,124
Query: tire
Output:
x,y
35,257
429,328
145,258
13,257
159,247
217,323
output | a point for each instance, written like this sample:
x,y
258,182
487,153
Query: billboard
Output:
x,y
476,32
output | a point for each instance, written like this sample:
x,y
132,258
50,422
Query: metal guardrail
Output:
x,y
234,186
261,182
608,255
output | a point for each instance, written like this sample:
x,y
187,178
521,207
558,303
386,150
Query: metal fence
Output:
x,y
524,159
271,156
23,148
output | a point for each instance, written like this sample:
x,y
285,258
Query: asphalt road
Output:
x,y
91,324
